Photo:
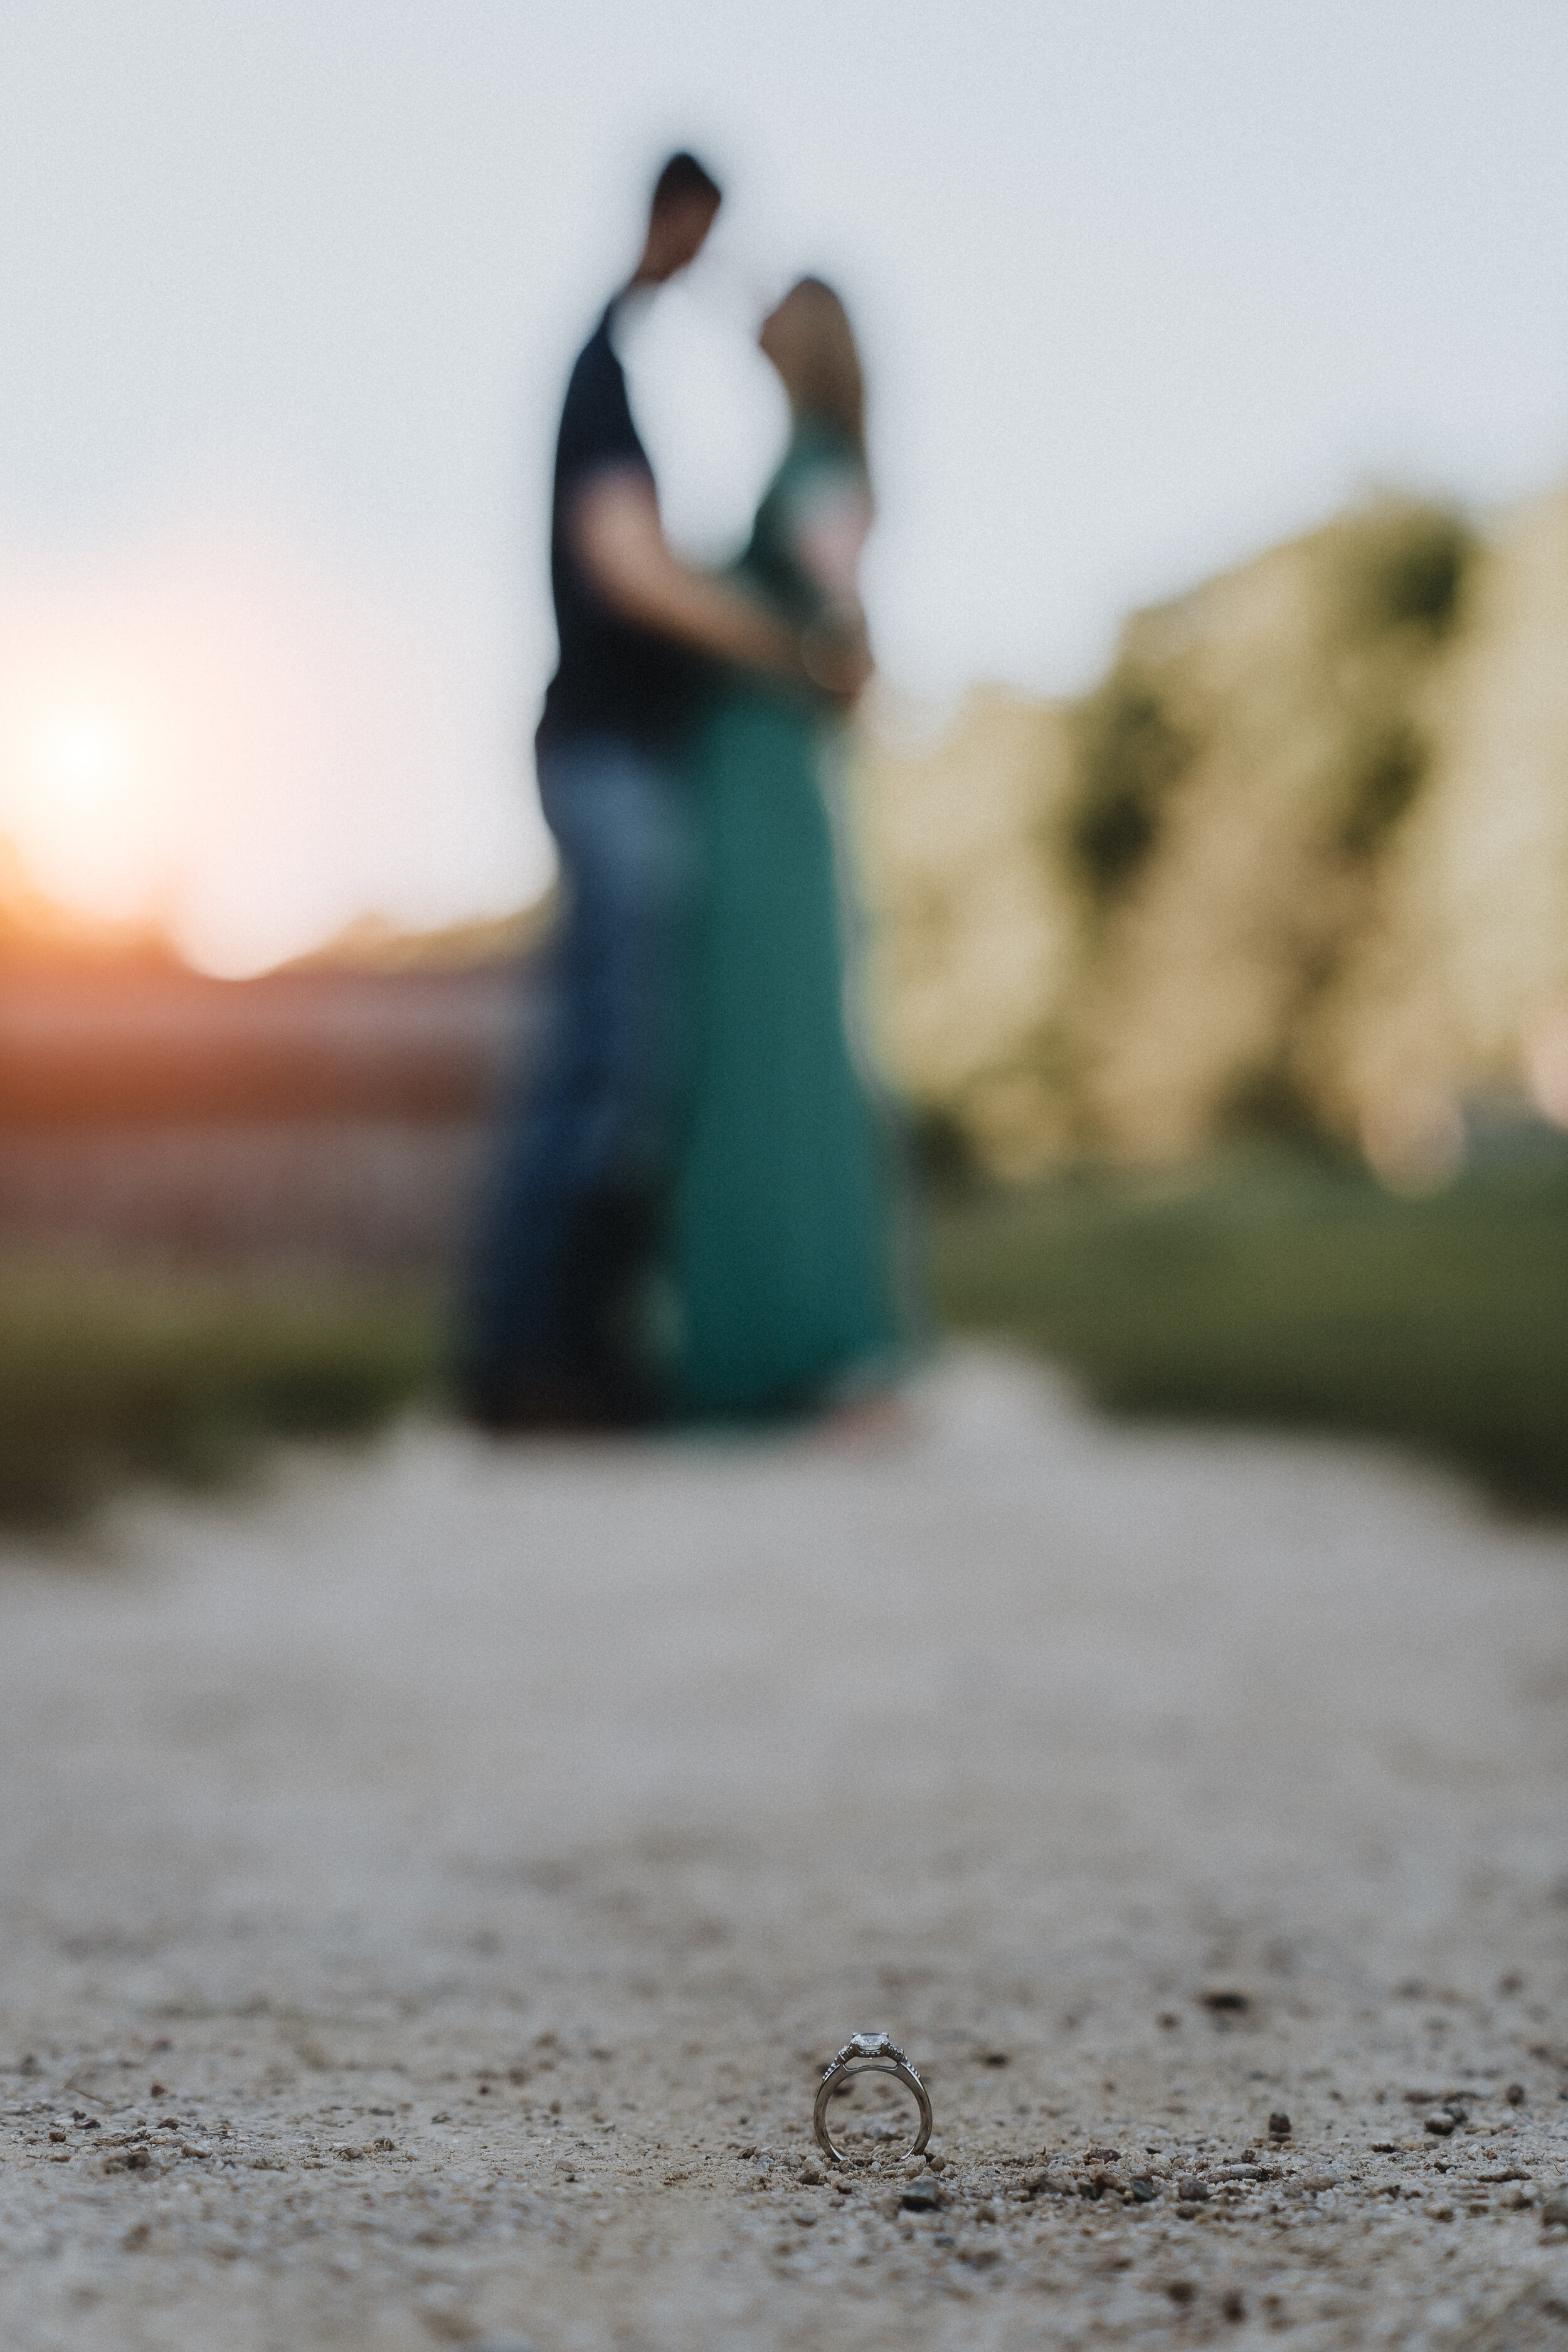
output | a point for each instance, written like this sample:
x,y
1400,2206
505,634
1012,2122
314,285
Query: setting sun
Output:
x,y
86,759
220,733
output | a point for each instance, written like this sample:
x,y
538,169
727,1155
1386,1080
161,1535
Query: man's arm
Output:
x,y
621,544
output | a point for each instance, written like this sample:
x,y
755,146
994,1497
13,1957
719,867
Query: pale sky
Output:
x,y
290,286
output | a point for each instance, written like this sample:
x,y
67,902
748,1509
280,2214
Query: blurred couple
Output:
x,y
688,1217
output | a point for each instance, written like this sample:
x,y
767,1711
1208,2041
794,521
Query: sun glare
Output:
x,y
88,758
75,798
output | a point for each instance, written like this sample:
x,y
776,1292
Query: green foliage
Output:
x,y
942,1151
1407,566
1130,755
1382,789
1289,1290
110,1373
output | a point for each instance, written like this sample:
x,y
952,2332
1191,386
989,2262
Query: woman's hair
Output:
x,y
821,368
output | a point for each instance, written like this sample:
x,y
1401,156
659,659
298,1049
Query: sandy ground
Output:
x,y
433,1883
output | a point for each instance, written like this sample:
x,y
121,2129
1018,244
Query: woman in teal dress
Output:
x,y
784,1236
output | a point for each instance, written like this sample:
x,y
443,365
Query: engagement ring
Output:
x,y
868,2053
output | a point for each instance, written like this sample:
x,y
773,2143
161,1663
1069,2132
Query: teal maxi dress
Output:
x,y
783,1236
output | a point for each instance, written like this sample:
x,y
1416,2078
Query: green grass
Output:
x,y
1286,1290
115,1373
1295,1292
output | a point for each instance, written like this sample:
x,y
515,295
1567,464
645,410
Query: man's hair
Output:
x,y
684,180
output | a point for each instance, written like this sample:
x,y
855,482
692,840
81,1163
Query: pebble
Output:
x,y
1192,2192
1554,2206
812,2174
1279,2125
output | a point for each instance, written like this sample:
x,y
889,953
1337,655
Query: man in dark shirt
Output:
x,y
554,1333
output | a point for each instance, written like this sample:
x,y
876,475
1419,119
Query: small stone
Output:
x,y
1441,2124
843,2183
1192,2191
920,2199
1226,2002
1439,2212
1515,2095
1233,2304
935,2162
1555,2207
804,2218
1180,2291
869,2045
812,2174
1143,2190
1313,2181
1278,2125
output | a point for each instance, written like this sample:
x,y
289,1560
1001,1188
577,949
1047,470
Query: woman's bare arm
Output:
x,y
829,538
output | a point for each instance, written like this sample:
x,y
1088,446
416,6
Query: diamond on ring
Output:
x,y
875,2054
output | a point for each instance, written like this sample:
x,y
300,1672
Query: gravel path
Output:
x,y
433,1883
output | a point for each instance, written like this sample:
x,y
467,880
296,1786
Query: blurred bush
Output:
x,y
116,1373
1299,864
1281,1288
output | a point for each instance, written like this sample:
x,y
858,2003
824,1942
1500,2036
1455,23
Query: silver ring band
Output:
x,y
868,2054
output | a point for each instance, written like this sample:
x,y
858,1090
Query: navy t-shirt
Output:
x,y
612,675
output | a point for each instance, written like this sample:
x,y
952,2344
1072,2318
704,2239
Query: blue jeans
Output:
x,y
571,1215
